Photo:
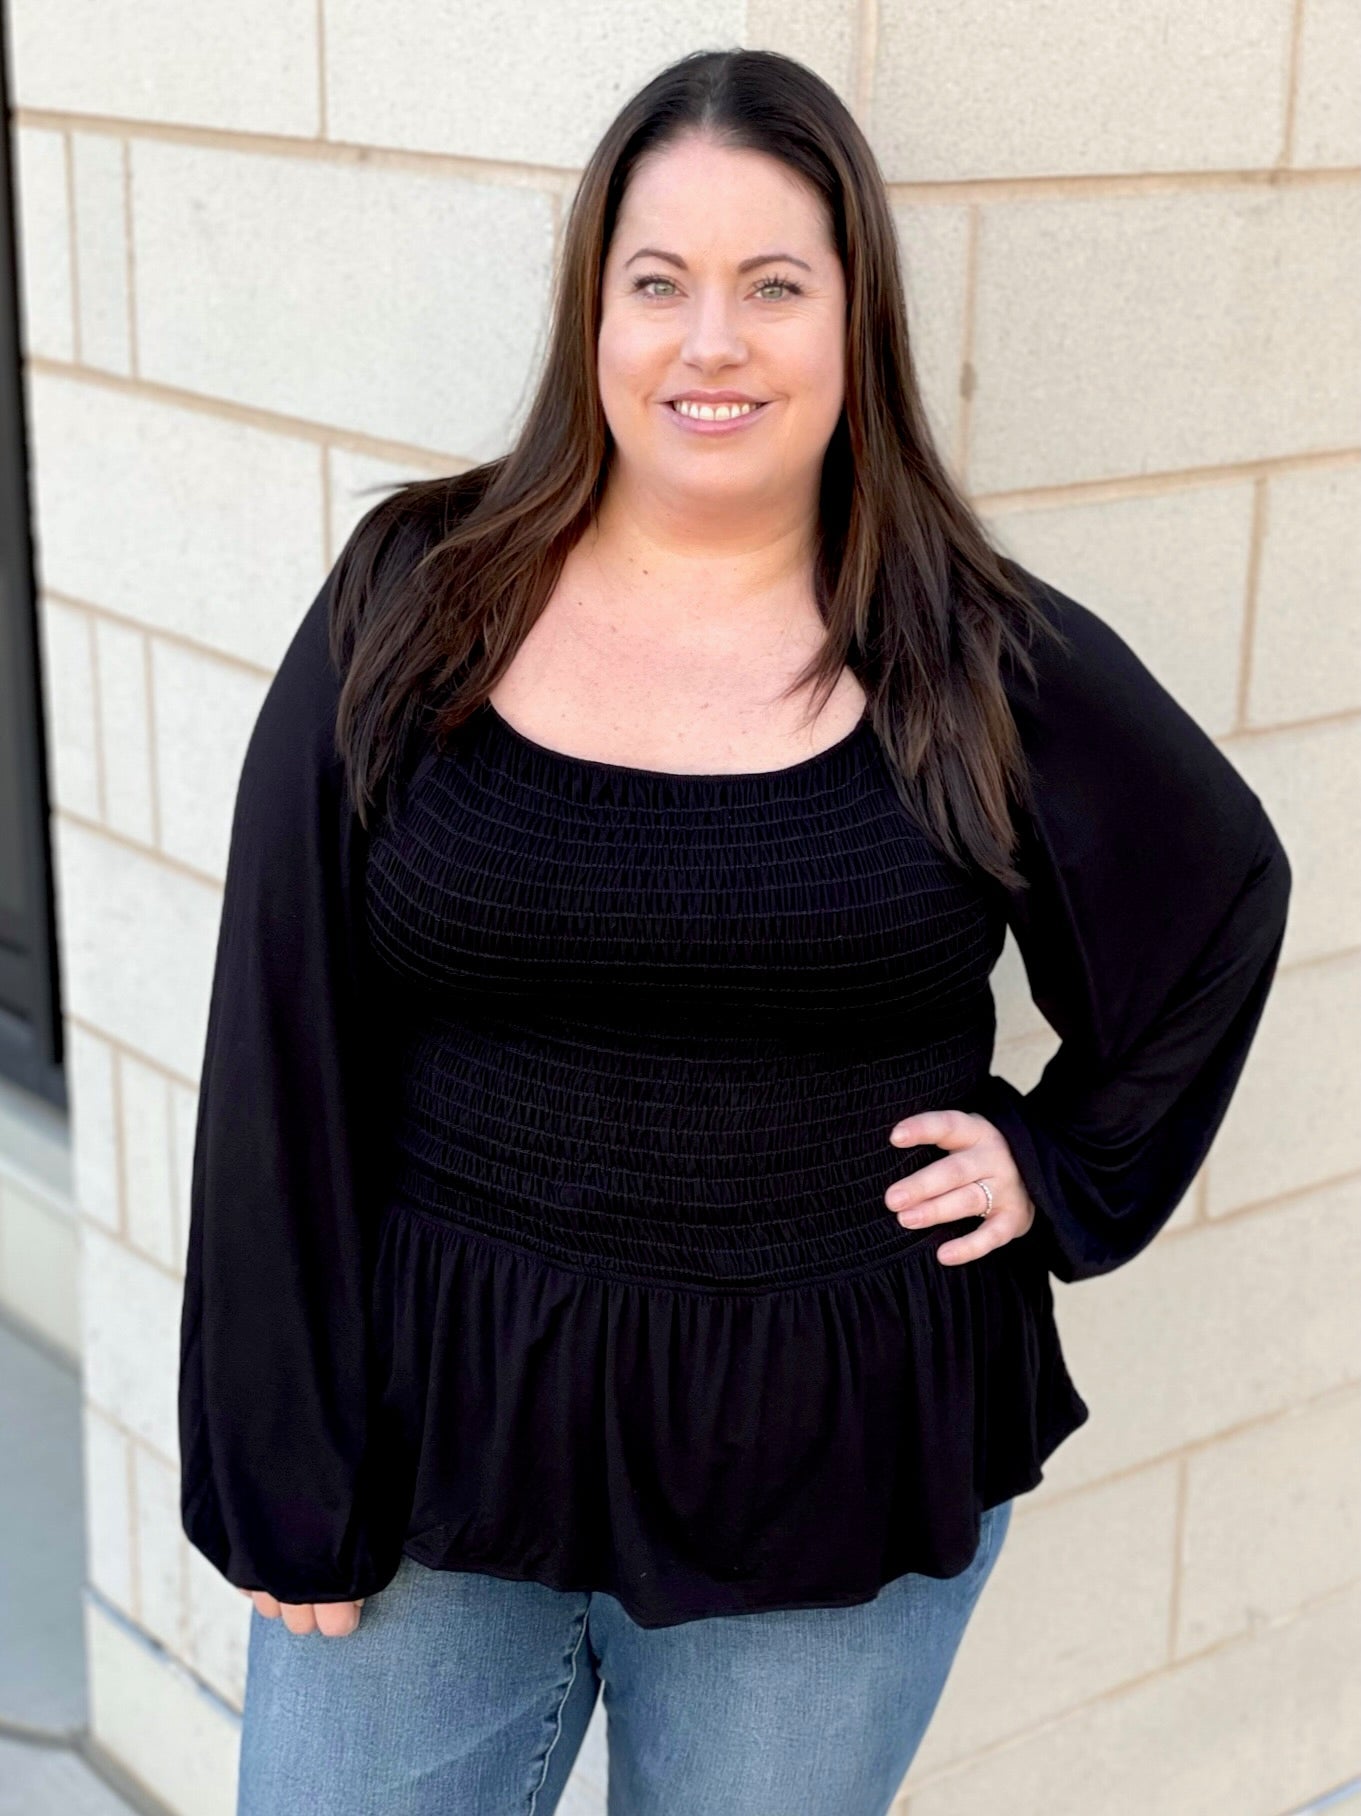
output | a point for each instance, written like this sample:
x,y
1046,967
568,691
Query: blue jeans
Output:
x,y
462,1694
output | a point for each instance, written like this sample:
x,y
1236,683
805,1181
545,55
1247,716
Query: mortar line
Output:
x,y
68,152
1292,83
1256,540
562,177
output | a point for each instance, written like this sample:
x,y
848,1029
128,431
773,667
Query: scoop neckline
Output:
x,y
566,760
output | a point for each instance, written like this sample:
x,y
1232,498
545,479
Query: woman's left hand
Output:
x,y
948,1189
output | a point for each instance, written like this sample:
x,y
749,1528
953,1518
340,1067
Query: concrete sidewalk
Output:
x,y
47,1766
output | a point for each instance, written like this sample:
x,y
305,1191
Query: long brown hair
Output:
x,y
441,580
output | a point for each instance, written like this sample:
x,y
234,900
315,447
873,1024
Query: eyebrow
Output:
x,y
762,258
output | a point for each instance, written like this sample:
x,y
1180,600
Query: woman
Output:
x,y
612,1260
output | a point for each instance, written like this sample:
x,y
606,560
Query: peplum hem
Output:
x,y
697,1453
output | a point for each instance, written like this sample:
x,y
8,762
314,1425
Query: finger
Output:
x,y
299,1618
337,1619
268,1604
949,1174
948,1207
969,1248
937,1129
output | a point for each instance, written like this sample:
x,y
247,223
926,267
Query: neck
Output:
x,y
704,557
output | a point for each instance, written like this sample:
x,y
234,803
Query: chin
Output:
x,y
722,479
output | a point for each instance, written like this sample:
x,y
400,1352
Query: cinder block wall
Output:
x,y
274,252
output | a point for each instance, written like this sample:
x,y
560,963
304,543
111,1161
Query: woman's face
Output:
x,y
721,278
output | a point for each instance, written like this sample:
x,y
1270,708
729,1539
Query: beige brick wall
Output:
x,y
275,252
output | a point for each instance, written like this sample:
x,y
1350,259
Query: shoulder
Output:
x,y
381,551
1078,657
1116,764
1090,688
387,543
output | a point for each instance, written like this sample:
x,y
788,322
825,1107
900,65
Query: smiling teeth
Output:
x,y
710,412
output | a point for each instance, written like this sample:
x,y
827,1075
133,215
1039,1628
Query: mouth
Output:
x,y
713,419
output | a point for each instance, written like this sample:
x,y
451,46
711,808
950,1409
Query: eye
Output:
x,y
645,282
776,283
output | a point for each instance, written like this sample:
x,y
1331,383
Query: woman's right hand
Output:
x,y
333,1619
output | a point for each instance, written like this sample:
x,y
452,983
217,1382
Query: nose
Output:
x,y
713,336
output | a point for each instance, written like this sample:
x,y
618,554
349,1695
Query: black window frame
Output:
x,y
30,991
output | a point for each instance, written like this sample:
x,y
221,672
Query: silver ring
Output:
x,y
987,1193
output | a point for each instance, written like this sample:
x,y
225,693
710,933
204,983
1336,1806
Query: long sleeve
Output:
x,y
1150,933
281,1473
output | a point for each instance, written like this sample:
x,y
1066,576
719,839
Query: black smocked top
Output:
x,y
538,1220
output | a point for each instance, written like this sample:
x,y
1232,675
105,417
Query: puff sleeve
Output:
x,y
282,1478
1150,931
